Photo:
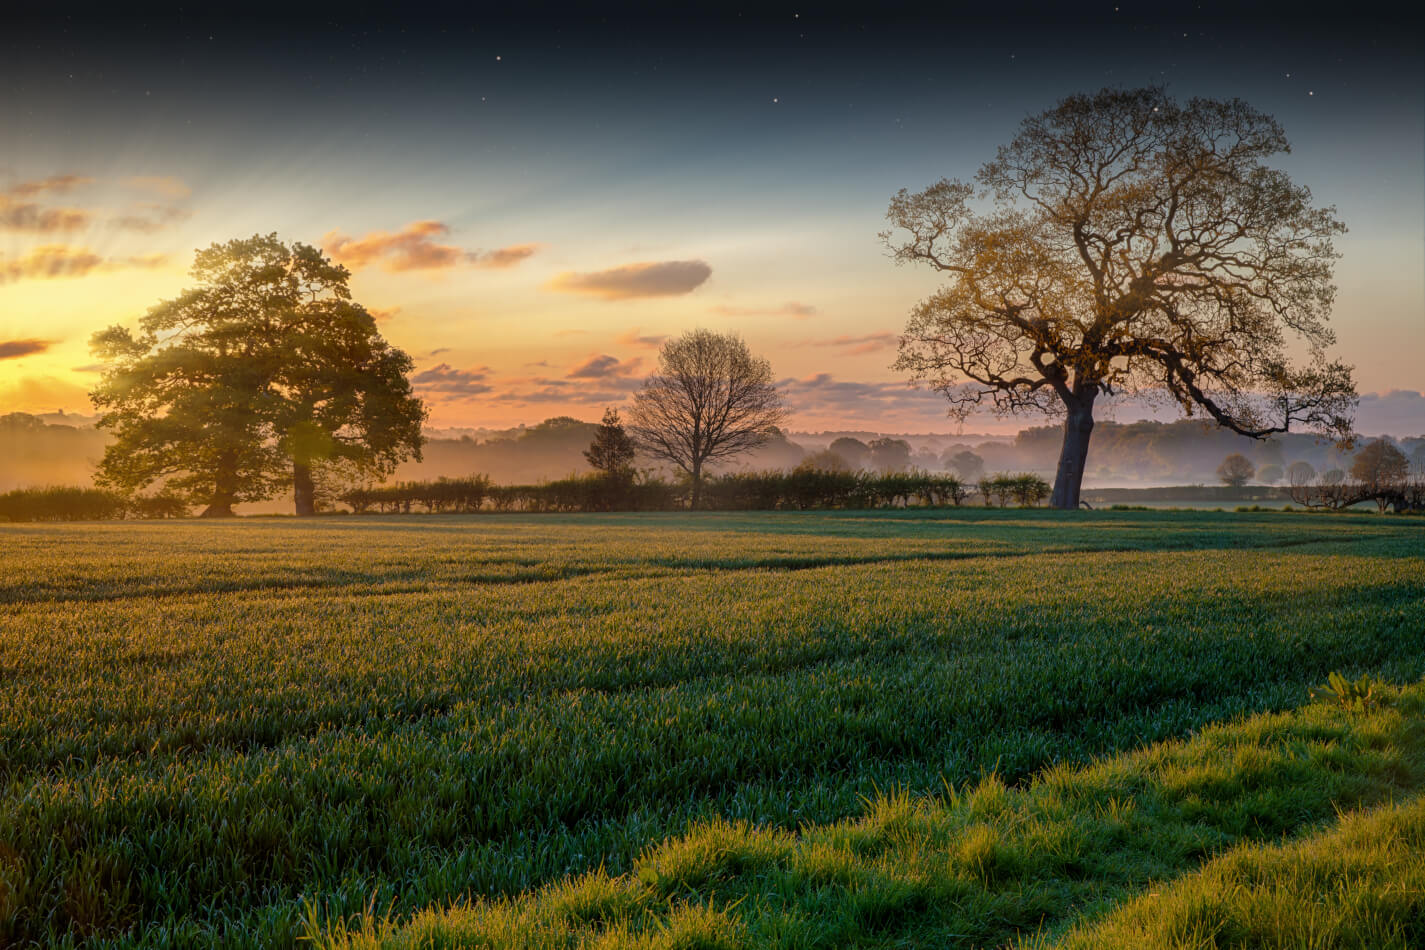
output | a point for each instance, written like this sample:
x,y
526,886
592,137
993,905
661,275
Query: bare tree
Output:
x,y
1131,244
710,399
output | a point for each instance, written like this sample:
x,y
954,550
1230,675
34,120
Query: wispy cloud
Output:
x,y
28,216
451,383
166,185
641,279
50,261
852,345
503,257
382,314
416,247
14,349
634,338
604,366
797,311
20,212
149,217
822,393
55,183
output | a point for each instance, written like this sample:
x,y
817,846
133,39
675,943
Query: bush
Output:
x,y
1025,489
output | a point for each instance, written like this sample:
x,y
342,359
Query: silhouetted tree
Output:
x,y
1235,470
856,453
890,455
1134,243
824,461
966,464
1380,466
612,450
267,360
1269,474
710,399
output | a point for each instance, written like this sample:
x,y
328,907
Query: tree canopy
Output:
x,y
1125,243
709,400
261,373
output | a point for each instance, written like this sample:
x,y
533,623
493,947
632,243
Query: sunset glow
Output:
x,y
530,211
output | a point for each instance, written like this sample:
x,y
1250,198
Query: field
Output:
x,y
960,727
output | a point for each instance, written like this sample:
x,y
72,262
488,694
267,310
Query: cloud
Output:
x,y
798,311
144,261
49,261
382,314
852,345
823,393
415,247
445,380
1397,412
15,349
632,338
56,183
604,367
28,216
503,257
642,279
150,217
166,185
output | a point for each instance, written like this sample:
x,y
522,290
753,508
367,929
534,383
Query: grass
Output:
x,y
207,731
983,865
1360,884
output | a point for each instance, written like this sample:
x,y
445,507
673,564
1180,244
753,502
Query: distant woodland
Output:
x,y
58,449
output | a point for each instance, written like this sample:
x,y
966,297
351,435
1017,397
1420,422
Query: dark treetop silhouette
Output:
x,y
710,399
1128,243
267,365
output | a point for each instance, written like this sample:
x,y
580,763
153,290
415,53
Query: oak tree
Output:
x,y
1122,242
266,364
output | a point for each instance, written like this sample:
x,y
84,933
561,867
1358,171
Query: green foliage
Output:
x,y
205,728
1352,694
1025,489
61,503
612,450
64,503
262,373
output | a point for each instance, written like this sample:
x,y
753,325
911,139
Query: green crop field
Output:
x,y
960,727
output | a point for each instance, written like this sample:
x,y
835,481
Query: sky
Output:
x,y
531,204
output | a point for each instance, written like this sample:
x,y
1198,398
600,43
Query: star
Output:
x,y
775,100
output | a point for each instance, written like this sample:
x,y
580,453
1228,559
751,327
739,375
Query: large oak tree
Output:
x,y
267,365
1125,243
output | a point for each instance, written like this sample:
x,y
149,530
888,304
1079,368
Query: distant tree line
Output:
x,y
801,489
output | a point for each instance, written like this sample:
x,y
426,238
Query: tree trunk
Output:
x,y
1078,427
220,505
304,490
697,485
